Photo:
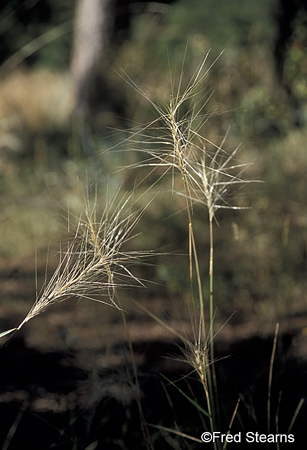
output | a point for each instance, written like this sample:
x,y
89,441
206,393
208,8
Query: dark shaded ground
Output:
x,y
66,380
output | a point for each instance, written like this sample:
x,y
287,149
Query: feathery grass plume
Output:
x,y
216,176
94,263
208,175
106,238
175,149
170,146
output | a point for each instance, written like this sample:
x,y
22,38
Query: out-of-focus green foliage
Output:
x,y
224,24
295,70
23,21
260,253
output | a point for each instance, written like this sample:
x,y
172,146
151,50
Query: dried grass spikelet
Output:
x,y
216,177
94,263
209,173
209,176
170,148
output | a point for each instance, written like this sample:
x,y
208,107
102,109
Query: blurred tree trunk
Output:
x,y
93,25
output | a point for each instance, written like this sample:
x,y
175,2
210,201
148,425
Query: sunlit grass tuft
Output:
x,y
94,264
177,142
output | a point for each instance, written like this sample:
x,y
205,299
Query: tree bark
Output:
x,y
93,25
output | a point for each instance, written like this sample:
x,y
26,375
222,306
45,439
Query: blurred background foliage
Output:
x,y
47,151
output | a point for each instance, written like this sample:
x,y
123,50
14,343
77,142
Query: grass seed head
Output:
x,y
94,263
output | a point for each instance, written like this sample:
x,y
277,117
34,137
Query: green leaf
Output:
x,y
187,397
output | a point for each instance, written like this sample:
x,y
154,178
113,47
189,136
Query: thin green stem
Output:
x,y
208,379
210,409
192,247
211,315
271,377
301,402
211,286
